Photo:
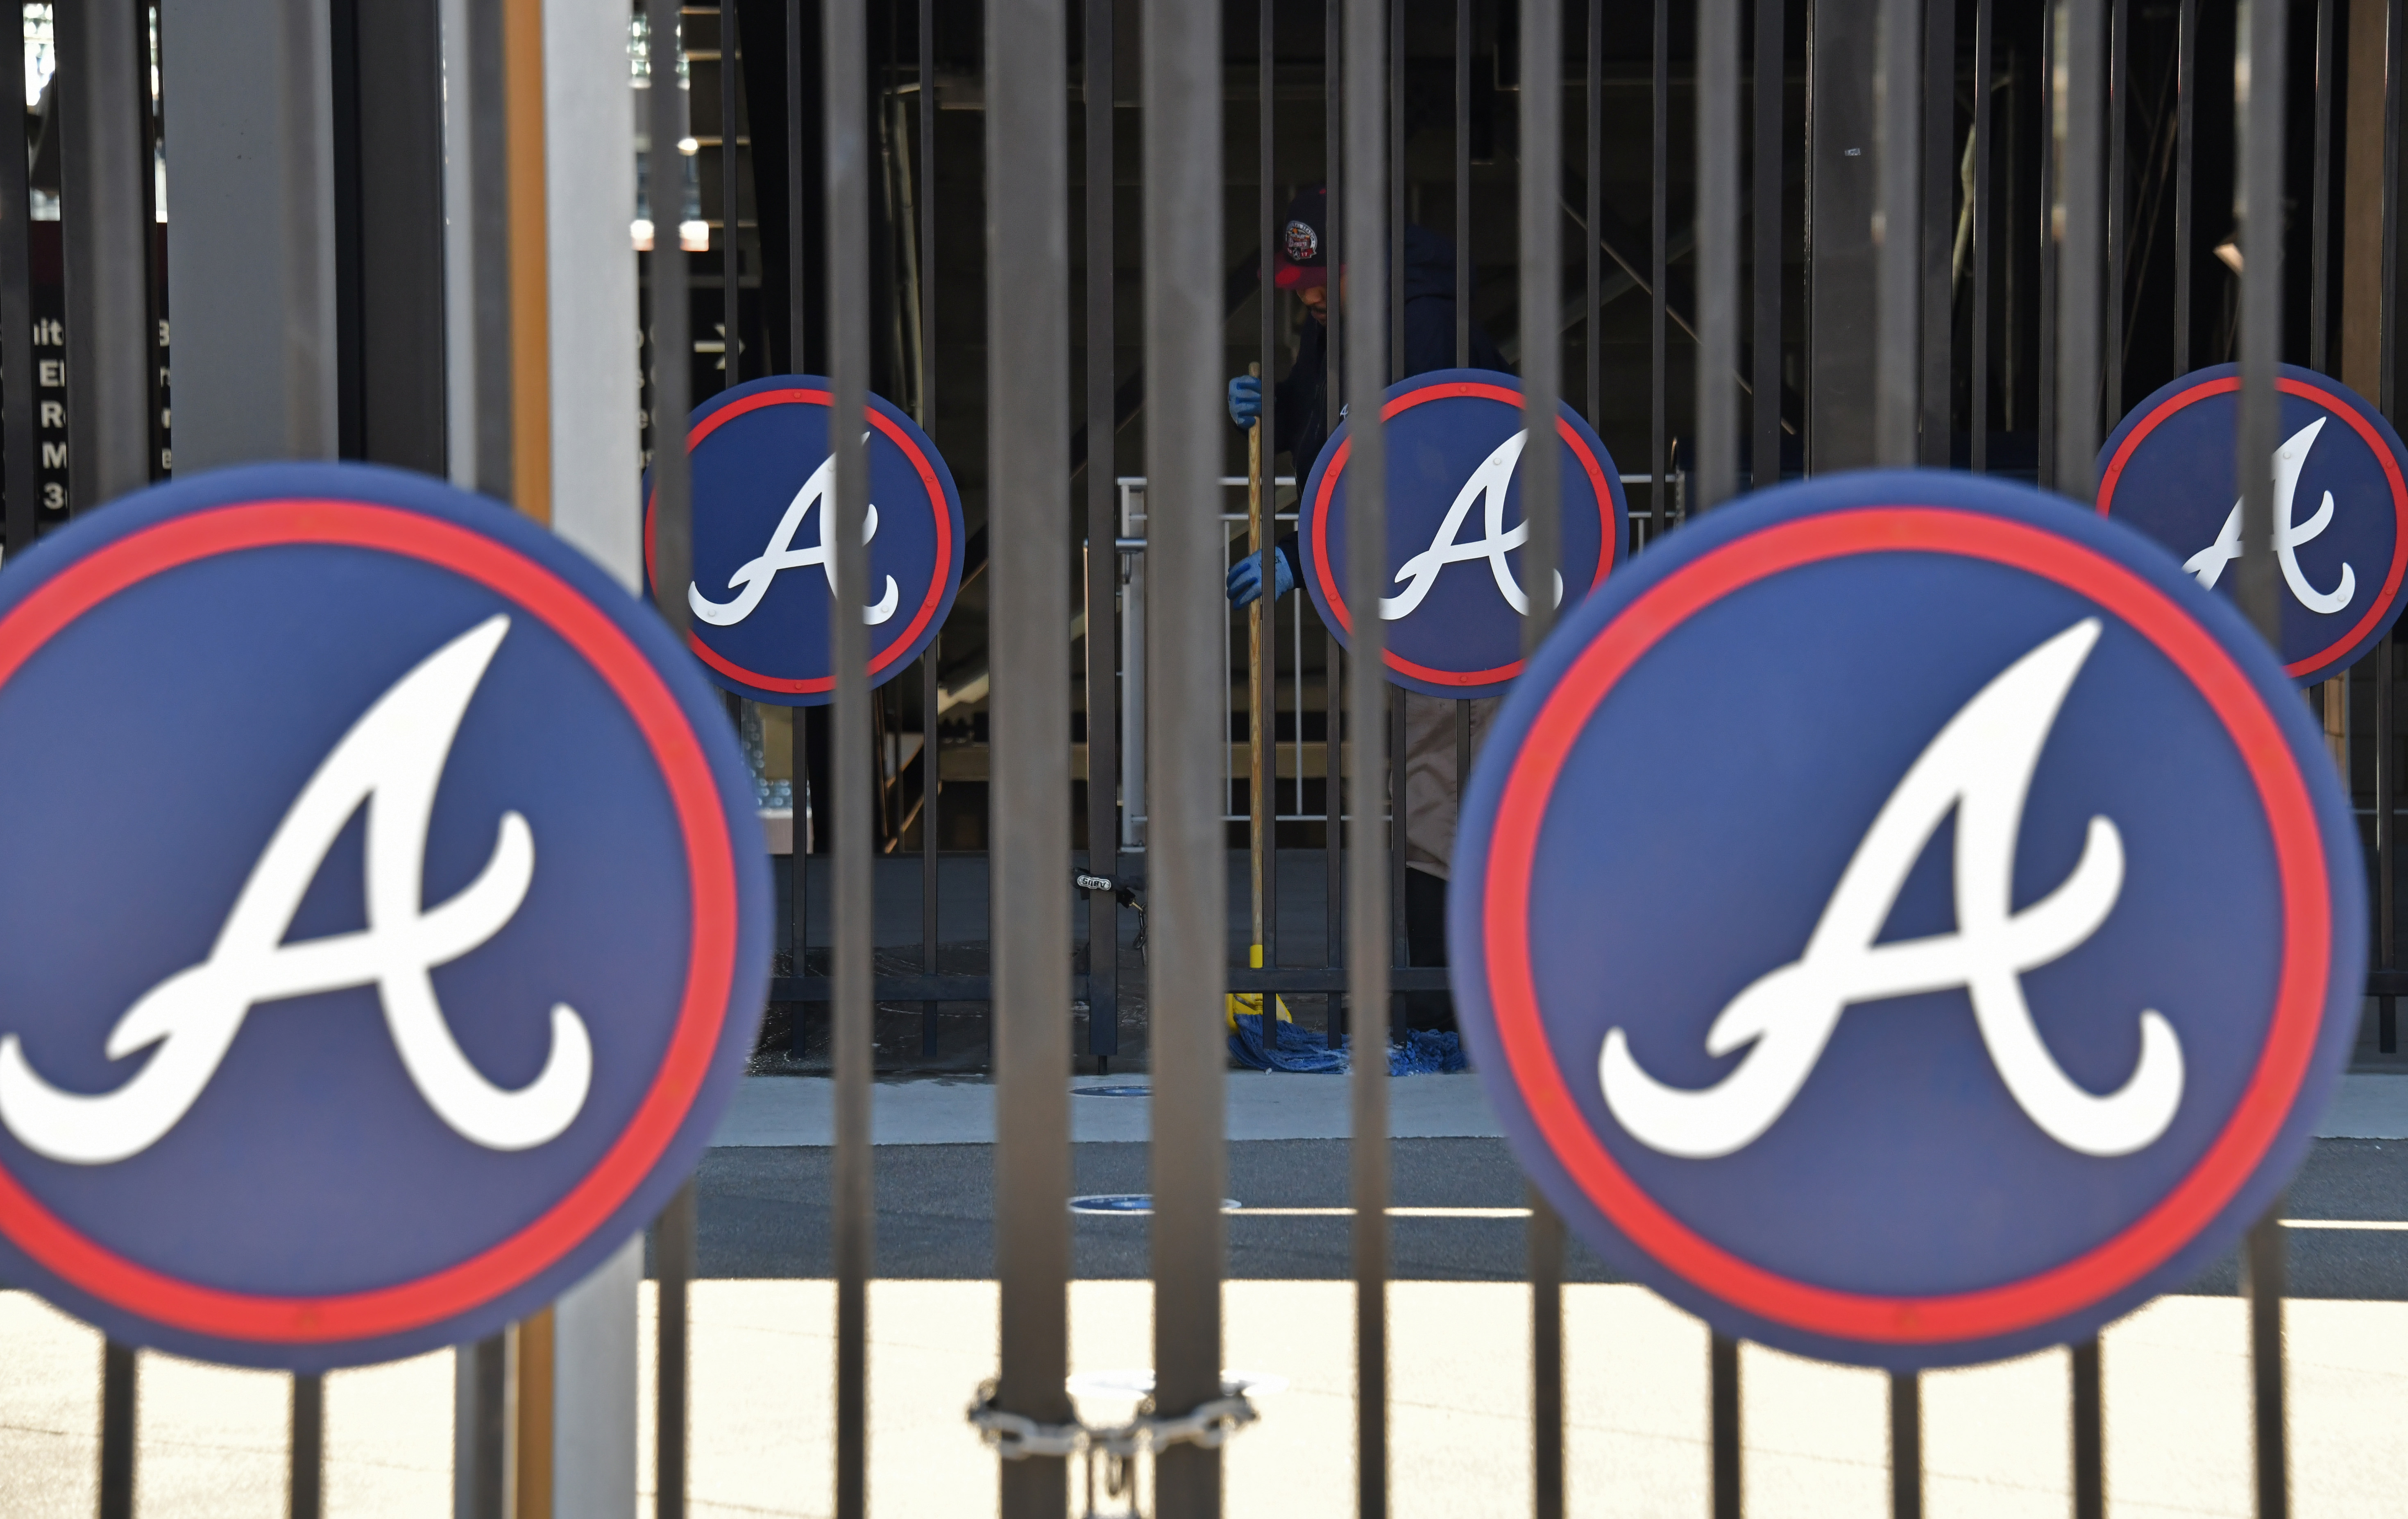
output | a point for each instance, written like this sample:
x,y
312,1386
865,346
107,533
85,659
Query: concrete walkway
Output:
x,y
798,1109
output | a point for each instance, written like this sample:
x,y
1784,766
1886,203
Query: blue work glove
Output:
x,y
1245,400
1246,579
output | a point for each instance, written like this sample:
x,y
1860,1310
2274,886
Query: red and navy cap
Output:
x,y
1303,255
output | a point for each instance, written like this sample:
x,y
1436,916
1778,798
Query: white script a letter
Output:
x,y
390,761
752,578
1980,766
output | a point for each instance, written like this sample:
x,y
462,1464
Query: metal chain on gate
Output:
x,y
1017,1436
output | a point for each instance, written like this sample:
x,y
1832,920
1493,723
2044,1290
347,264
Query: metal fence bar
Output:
x,y
1897,93
1592,178
1370,949
2118,103
20,446
117,1370
2387,398
1905,1445
2321,207
1714,464
1103,565
1262,800
673,1254
1984,70
2267,1270
307,1483
731,295
845,62
1546,1245
1772,78
1463,188
1722,1419
1104,1013
2089,1433
1187,868
1659,498
2186,155
103,61
1939,222
2079,137
2050,74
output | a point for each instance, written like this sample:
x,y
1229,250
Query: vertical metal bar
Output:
x,y
1985,65
1463,186
117,1401
1187,864
798,303
852,783
19,445
306,1484
927,198
1722,1398
932,787
1906,1443
1771,77
1334,235
731,295
2089,1433
1660,493
1103,564
1364,297
2258,82
2051,28
2320,200
1265,693
1897,94
2387,398
1333,827
103,61
1545,1241
1398,819
2119,85
2268,1269
1592,177
673,1251
1396,124
1939,179
1715,467
480,1479
2081,89
2185,152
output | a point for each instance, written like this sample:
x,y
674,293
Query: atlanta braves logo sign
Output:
x,y
764,569
449,939
1455,441
2340,504
1983,966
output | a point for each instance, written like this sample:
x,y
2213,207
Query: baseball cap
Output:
x,y
1304,253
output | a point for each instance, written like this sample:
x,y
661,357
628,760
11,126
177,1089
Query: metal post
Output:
x,y
2089,1433
1335,769
2387,397
798,89
1938,183
1771,77
1715,463
1545,1243
116,1398
1365,295
19,444
2320,205
1263,625
845,62
1103,1005
1463,188
2267,1271
1984,67
1187,864
1905,1445
1722,1398
1897,92
2120,72
2082,88
1660,493
481,1462
2185,147
103,63
307,1483
673,1251
2051,71
1592,178
1103,564
731,293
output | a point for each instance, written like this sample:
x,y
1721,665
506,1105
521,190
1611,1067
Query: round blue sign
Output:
x,y
386,917
1455,529
2340,503
1971,967
763,573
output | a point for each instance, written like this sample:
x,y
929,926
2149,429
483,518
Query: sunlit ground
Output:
x,y
212,1440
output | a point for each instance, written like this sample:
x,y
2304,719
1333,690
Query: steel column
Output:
x,y
2089,1433
2051,71
2320,201
20,444
1723,1426
845,62
306,1484
1984,67
1772,78
1897,310
1938,191
1102,563
731,285
1905,1445
2080,145
1187,714
2267,1271
1364,295
1333,232
673,1253
102,94
2118,235
1263,694
2186,151
1592,177
1715,465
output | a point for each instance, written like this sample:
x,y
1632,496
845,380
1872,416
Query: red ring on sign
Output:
x,y
2141,1247
2334,405
1451,390
711,865
895,650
